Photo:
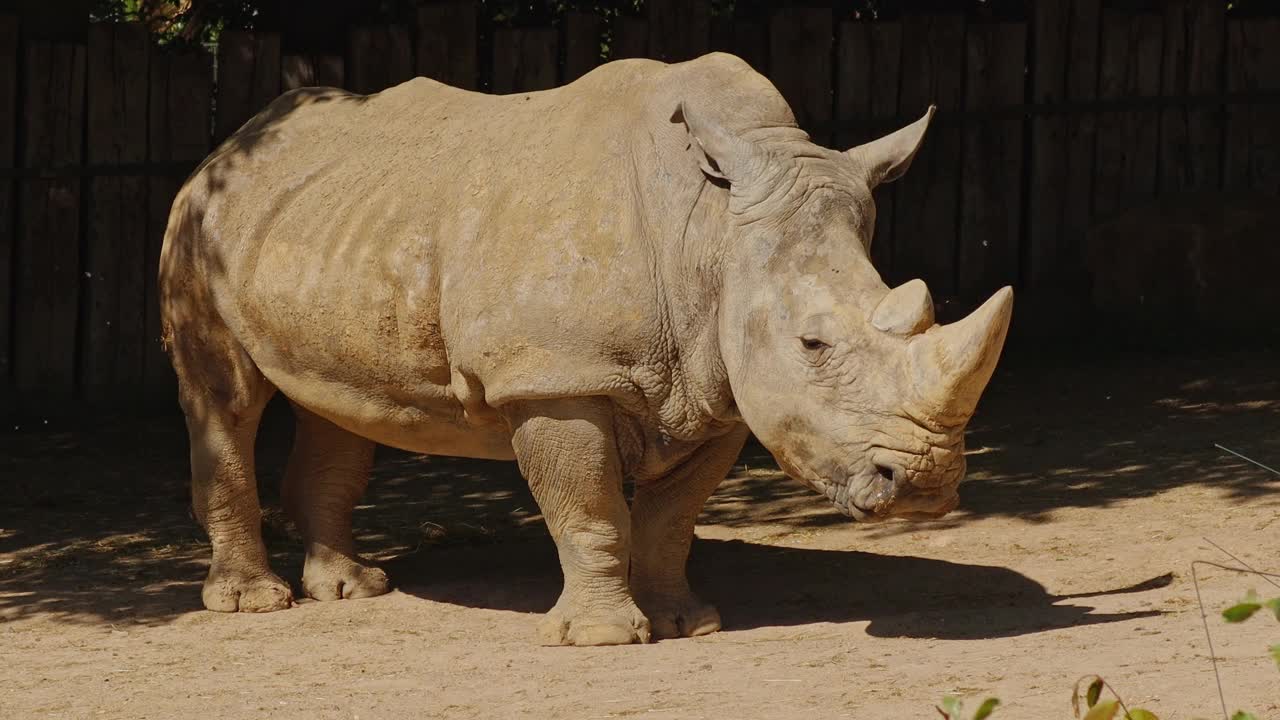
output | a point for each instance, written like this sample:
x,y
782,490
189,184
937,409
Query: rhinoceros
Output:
x,y
616,280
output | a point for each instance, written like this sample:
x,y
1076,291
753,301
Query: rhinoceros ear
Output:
x,y
887,158
722,154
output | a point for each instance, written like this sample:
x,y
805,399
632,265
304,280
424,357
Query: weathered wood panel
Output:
x,y
524,59
48,252
248,78
378,57
800,41
1063,69
582,34
679,29
1127,145
925,214
721,39
298,71
868,71
991,198
1051,34
181,95
751,43
8,159
1077,191
113,325
1191,137
1253,131
629,38
446,43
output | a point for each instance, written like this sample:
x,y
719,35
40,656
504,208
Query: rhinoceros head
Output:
x,y
852,386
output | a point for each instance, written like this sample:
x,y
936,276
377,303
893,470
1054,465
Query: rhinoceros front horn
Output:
x,y
952,363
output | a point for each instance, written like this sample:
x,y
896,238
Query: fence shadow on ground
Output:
x,y
96,528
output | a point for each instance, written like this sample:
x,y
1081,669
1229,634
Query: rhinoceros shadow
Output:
x,y
756,586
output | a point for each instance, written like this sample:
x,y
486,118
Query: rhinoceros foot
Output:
x,y
339,578
679,615
233,591
569,624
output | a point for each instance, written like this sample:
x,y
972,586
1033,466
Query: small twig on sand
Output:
x,y
1195,580
1265,576
1247,459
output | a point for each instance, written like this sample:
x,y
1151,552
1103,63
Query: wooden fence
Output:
x,y
1044,126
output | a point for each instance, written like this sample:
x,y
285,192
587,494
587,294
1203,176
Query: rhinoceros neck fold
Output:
x,y
689,250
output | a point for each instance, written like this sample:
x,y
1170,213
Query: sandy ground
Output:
x,y
1093,486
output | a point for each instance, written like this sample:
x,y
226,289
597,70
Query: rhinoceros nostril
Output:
x,y
885,473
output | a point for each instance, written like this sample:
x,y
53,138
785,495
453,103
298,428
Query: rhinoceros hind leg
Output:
x,y
327,474
223,395
567,452
663,514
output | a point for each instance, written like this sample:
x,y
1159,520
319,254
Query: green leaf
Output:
x,y
984,711
1140,714
1241,612
1274,605
951,706
1105,710
1242,715
1094,692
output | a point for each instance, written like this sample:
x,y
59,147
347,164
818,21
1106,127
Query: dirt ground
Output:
x,y
1093,485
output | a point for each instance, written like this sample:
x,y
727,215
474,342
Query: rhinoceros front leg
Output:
x,y
663,513
327,473
567,452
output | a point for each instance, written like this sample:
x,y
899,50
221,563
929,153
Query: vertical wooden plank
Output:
x,y
721,39
446,43
800,47
48,252
751,43
884,86
248,78
8,159
1253,130
297,71
1191,137
379,57
853,84
629,38
178,135
867,97
582,33
1050,28
991,197
1128,140
926,213
524,59
1083,45
679,29
112,329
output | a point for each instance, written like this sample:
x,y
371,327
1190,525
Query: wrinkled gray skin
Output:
x,y
611,280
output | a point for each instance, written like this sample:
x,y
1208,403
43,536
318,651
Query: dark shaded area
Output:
x,y
768,586
96,527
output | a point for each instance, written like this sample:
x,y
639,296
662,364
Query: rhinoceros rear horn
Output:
x,y
724,155
905,310
887,158
952,363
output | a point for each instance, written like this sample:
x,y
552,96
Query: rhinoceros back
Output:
x,y
430,253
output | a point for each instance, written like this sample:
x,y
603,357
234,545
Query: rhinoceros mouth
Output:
x,y
882,491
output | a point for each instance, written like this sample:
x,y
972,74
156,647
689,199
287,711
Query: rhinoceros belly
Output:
x,y
340,309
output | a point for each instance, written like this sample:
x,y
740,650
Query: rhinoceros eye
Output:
x,y
813,344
